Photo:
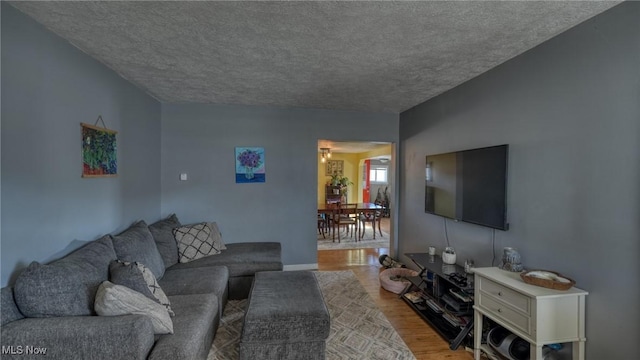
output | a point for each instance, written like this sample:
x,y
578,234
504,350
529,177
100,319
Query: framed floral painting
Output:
x,y
250,165
99,152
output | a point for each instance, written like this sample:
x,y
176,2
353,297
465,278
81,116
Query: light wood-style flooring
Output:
x,y
423,341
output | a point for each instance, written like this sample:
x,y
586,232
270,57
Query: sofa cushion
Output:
x,y
194,325
138,277
162,232
127,337
136,244
211,279
194,242
65,287
8,306
115,300
242,259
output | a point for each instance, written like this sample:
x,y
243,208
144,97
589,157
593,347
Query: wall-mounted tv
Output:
x,y
469,186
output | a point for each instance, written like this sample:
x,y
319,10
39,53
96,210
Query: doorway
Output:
x,y
365,170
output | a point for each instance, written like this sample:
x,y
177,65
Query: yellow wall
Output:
x,y
351,170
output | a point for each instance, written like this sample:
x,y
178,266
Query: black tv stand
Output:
x,y
442,295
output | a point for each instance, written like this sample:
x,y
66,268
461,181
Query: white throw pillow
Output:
x,y
116,300
194,242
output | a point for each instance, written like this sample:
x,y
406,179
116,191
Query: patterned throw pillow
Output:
x,y
116,300
138,277
194,242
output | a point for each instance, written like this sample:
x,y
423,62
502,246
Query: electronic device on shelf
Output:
x,y
458,279
460,295
510,346
455,306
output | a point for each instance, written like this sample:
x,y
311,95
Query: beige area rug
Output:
x,y
359,330
349,243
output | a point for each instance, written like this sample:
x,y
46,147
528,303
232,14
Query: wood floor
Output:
x,y
423,341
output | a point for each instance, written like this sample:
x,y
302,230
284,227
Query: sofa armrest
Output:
x,y
78,337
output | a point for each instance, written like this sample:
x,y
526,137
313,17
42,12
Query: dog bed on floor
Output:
x,y
394,279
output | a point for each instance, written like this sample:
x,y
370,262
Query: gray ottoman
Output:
x,y
286,318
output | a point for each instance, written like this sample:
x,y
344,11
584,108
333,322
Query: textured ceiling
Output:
x,y
367,56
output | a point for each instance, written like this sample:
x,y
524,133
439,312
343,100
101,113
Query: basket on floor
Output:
x,y
398,285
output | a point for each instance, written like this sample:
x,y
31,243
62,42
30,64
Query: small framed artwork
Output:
x,y
250,165
99,152
334,167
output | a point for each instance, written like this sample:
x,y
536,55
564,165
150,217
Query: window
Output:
x,y
378,174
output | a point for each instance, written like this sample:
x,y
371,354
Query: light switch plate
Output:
x,y
183,177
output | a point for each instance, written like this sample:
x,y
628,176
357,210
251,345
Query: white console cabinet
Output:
x,y
538,315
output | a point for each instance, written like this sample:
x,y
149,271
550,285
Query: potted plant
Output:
x,y
340,181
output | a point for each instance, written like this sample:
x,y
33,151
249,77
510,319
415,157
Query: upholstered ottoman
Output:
x,y
286,318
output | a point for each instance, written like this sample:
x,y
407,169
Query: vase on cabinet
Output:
x,y
511,260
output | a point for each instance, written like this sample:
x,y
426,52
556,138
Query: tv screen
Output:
x,y
469,186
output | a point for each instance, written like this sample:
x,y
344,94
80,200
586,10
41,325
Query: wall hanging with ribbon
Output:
x,y
99,150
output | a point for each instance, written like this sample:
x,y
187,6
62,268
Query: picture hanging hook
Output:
x,y
100,119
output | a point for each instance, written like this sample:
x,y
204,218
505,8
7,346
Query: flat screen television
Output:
x,y
469,186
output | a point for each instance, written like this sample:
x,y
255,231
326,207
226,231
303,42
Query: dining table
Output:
x,y
367,209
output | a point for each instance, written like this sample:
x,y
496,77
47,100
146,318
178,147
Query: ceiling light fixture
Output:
x,y
326,153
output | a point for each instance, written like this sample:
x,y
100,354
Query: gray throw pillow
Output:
x,y
65,287
138,277
216,235
162,232
136,244
9,310
194,242
116,300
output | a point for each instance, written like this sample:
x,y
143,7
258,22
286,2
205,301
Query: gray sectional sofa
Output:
x,y
50,308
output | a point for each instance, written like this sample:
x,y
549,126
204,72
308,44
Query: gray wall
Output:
x,y
200,139
569,109
48,88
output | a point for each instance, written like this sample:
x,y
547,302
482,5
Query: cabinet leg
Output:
x,y
578,350
477,334
536,352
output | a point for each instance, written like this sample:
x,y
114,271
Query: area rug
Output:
x,y
349,243
359,330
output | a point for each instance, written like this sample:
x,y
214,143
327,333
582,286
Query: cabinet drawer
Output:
x,y
505,312
513,298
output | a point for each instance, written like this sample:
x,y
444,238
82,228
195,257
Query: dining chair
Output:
x,y
322,224
372,217
347,216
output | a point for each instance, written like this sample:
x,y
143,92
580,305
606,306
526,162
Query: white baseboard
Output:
x,y
297,267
